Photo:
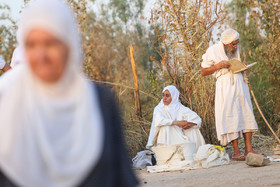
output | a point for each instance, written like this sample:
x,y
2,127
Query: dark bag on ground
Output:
x,y
144,159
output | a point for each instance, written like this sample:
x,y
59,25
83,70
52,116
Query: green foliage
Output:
x,y
126,9
7,33
121,9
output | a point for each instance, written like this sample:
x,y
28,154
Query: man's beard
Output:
x,y
230,54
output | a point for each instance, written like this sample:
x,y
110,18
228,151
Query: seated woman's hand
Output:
x,y
184,124
188,125
180,124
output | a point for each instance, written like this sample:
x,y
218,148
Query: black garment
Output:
x,y
113,169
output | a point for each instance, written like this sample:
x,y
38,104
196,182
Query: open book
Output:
x,y
237,66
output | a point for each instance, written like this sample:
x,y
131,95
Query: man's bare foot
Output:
x,y
238,157
251,151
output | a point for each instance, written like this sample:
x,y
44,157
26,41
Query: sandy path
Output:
x,y
234,174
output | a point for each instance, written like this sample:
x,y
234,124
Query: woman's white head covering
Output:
x,y
51,134
2,63
47,15
229,36
174,106
17,58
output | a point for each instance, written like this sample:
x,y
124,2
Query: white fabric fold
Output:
x,y
233,108
207,156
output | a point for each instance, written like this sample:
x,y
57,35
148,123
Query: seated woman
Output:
x,y
173,123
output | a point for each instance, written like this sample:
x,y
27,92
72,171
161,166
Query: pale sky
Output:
x,y
17,5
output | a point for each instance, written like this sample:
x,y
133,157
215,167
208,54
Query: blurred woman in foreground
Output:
x,y
173,123
57,128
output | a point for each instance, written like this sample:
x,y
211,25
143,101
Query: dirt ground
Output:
x,y
234,174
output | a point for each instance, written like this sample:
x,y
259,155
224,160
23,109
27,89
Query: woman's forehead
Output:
x,y
166,92
41,33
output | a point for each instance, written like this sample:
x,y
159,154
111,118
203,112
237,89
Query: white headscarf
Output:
x,y
51,134
17,58
2,63
174,106
229,36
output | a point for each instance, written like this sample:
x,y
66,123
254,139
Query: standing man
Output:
x,y
4,66
233,108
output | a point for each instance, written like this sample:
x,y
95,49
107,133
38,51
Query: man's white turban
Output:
x,y
229,36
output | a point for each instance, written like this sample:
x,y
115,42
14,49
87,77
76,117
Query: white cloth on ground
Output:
x,y
174,153
207,156
173,157
51,134
2,63
233,108
274,158
162,131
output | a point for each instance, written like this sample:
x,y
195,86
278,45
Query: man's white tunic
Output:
x,y
233,107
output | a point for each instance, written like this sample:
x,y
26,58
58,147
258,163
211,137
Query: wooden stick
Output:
x,y
137,99
128,87
262,114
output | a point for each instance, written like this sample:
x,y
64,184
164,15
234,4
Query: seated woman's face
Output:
x,y
46,55
166,97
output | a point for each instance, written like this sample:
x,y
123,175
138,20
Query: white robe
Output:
x,y
164,133
233,108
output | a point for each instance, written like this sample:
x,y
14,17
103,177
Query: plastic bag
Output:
x,y
144,159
